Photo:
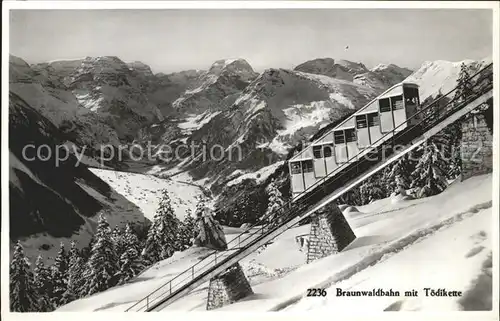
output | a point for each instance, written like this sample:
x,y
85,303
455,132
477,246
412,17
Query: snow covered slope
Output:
x,y
441,76
395,242
464,249
145,190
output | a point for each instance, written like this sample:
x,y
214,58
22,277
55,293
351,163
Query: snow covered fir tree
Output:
x,y
59,273
131,262
429,176
188,230
276,205
398,176
464,85
23,294
103,261
76,281
163,236
43,285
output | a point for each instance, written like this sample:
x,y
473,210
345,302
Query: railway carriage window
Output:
x,y
350,135
296,168
338,137
328,150
361,121
385,105
411,101
317,152
373,120
411,95
397,102
307,166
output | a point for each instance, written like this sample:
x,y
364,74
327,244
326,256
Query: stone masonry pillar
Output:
x,y
477,146
330,233
229,287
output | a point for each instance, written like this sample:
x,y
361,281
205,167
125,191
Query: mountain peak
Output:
x,y
216,89
353,67
140,67
392,67
340,69
238,66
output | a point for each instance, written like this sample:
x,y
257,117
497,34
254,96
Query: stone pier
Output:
x,y
477,146
330,233
228,287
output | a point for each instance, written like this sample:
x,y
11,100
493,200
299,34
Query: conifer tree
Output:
x,y
464,85
187,230
103,262
429,174
276,204
130,238
450,140
372,189
163,235
59,274
117,236
352,197
42,285
23,297
131,262
399,175
76,281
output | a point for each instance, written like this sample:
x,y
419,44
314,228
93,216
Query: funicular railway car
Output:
x,y
349,141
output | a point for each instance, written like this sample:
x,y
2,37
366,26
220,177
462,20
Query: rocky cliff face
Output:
x,y
216,89
167,88
116,92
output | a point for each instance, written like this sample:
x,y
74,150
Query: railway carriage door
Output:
x,y
329,154
362,131
296,177
399,112
351,143
308,173
319,161
412,102
374,128
340,147
386,120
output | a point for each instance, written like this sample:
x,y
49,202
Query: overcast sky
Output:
x,y
174,40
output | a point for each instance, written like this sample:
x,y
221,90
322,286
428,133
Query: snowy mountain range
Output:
x,y
94,101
